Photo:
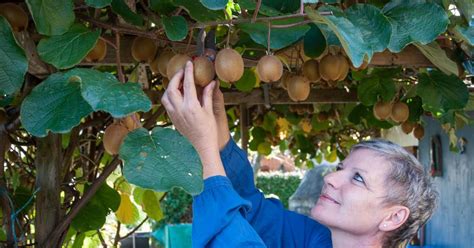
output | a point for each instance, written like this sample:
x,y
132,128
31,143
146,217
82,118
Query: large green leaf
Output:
x,y
108,196
414,22
348,34
13,62
247,82
284,6
438,57
214,4
67,50
314,42
98,3
198,12
373,25
161,160
371,88
52,17
162,7
279,37
176,27
122,9
55,105
466,33
104,92
441,93
127,213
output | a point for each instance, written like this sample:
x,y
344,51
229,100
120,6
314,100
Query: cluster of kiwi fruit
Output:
x,y
116,132
15,15
301,109
399,113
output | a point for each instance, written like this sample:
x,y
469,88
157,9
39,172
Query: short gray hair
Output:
x,y
410,187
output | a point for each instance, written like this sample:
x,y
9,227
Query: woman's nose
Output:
x,y
334,179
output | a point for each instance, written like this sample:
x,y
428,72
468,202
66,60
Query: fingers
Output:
x,y
172,93
188,85
207,96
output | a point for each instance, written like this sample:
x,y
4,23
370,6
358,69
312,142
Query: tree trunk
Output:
x,y
48,205
4,203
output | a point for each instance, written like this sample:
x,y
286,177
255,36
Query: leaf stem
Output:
x,y
255,13
117,58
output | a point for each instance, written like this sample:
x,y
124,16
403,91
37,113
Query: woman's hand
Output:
x,y
220,114
194,121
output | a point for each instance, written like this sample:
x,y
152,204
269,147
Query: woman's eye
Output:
x,y
358,177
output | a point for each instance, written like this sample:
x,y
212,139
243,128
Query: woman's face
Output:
x,y
352,197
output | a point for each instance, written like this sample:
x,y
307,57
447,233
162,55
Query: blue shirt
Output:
x,y
232,212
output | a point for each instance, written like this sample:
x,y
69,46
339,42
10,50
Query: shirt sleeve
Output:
x,y
218,217
276,226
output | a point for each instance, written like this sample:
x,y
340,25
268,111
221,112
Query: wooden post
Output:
x,y
48,205
244,128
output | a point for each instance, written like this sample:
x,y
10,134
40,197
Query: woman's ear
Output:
x,y
396,216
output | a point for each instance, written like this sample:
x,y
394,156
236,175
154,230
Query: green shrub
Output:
x,y
279,184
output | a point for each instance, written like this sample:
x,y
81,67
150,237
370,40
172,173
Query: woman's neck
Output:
x,y
342,239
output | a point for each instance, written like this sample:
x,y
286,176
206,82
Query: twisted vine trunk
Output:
x,y
4,203
48,205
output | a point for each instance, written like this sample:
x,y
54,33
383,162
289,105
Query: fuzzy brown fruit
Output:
x,y
400,112
176,63
131,122
419,131
113,137
364,66
382,110
284,80
204,71
165,82
311,70
159,64
298,88
143,49
229,65
15,15
269,68
407,127
333,67
98,52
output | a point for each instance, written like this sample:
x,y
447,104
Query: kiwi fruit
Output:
x,y
143,49
269,68
165,82
176,63
333,67
419,131
113,137
284,80
298,88
229,65
204,71
407,127
382,110
98,52
131,122
159,64
15,15
311,70
364,66
400,112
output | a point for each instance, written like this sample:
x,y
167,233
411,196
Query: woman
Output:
x,y
378,197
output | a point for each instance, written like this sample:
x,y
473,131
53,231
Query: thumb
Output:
x,y
207,96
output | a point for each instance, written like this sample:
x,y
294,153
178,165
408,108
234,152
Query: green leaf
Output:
x,y
176,27
55,105
279,37
370,88
122,185
214,4
264,148
162,7
138,195
438,57
161,160
3,235
258,133
67,50
104,92
466,33
373,25
198,12
348,34
314,42
79,240
98,4
414,22
122,9
264,9
284,6
52,17
13,62
441,93
108,197
151,205
90,217
247,82
127,213
415,105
